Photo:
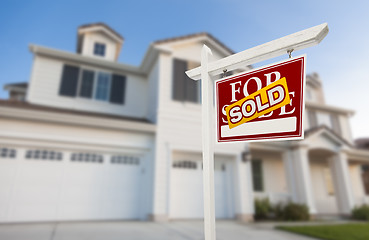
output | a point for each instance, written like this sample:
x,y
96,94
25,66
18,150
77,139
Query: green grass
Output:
x,y
355,231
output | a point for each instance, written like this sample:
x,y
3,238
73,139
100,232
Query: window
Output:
x,y
336,127
257,175
87,84
99,49
185,164
128,160
102,86
313,120
7,153
44,155
87,157
92,84
184,89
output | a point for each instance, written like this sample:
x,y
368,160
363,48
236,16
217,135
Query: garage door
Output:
x,y
186,192
48,185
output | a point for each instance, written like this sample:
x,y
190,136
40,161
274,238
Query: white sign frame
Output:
x,y
296,41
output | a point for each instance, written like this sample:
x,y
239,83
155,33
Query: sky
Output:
x,y
341,59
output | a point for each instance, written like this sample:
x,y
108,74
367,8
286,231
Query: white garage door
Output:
x,y
47,185
186,192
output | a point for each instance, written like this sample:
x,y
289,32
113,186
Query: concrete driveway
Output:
x,y
177,230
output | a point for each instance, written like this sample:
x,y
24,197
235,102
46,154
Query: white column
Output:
x,y
303,178
244,190
341,176
289,168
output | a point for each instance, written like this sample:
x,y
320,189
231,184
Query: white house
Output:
x,y
89,138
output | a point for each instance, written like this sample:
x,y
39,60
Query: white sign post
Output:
x,y
296,41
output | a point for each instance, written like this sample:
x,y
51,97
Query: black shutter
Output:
x,y
179,80
87,84
69,81
118,86
192,89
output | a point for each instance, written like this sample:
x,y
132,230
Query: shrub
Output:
x,y
361,213
262,208
295,212
278,211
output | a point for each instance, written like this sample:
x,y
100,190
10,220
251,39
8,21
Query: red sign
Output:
x,y
263,104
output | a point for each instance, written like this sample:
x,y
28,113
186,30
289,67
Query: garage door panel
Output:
x,y
186,193
32,212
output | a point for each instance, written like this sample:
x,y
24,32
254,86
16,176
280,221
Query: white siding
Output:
x,y
44,90
91,38
345,128
153,92
324,119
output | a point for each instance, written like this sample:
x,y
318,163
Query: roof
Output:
x,y
30,106
100,24
362,143
20,85
202,34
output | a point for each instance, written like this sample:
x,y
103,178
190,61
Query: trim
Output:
x,y
358,154
329,108
72,119
80,59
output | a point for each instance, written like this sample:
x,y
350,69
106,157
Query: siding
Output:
x,y
44,90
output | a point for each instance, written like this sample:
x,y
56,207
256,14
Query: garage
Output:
x,y
55,185
186,190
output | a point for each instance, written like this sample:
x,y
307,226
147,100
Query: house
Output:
x,y
89,138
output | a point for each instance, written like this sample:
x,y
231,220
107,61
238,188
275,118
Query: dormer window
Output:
x,y
99,49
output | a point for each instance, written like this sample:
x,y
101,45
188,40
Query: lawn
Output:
x,y
355,231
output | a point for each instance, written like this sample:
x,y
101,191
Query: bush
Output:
x,y
295,212
361,213
278,211
262,208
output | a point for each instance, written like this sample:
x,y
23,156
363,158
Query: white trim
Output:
x,y
296,41
80,59
74,119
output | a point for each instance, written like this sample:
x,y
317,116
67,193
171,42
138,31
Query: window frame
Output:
x,y
99,44
261,175
108,87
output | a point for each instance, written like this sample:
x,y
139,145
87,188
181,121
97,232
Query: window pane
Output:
x,y
102,87
257,175
87,84
99,49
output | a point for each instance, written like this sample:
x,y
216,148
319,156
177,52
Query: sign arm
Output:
x,y
297,41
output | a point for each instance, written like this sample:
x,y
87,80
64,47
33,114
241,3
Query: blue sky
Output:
x,y
341,59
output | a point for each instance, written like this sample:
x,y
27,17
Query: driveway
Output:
x,y
176,230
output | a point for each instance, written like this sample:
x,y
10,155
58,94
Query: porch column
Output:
x,y
244,191
289,168
302,181
342,183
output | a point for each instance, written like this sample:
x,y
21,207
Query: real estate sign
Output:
x,y
265,104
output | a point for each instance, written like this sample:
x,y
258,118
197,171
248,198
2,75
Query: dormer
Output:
x,y
100,41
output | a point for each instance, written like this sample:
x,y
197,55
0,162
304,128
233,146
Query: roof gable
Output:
x,y
197,37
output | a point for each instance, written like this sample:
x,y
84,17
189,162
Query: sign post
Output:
x,y
287,44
